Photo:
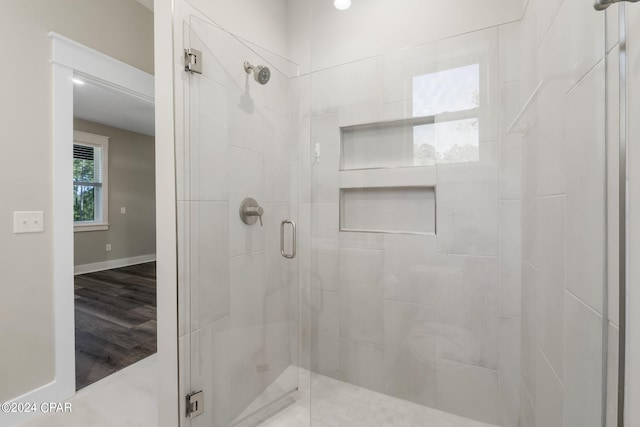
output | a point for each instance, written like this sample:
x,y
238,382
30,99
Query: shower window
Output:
x,y
452,98
90,156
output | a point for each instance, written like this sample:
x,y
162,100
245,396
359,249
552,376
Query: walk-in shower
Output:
x,y
449,179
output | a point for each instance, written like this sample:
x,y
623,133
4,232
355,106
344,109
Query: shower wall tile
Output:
x,y
551,144
325,222
530,279
362,113
249,378
409,275
467,208
362,363
546,11
410,352
248,299
549,394
550,313
468,335
509,105
276,163
304,155
530,250
247,180
509,371
250,128
209,262
362,240
278,269
586,197
325,312
356,83
510,278
362,295
401,66
585,43
325,332
510,52
468,390
529,50
583,377
325,355
511,159
325,247
209,155
325,151
277,346
528,414
210,364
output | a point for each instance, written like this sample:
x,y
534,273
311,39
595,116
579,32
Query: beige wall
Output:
x,y
131,185
120,28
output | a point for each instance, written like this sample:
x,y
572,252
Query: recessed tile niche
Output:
x,y
388,209
385,184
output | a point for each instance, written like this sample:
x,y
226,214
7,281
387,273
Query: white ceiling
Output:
x,y
111,106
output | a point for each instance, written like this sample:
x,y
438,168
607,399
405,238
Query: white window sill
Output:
x,y
77,228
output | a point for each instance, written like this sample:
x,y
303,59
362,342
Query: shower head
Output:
x,y
261,73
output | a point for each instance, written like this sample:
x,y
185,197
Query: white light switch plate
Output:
x,y
28,222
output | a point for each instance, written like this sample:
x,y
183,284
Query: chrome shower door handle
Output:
x,y
294,239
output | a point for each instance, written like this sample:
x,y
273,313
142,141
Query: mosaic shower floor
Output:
x,y
336,403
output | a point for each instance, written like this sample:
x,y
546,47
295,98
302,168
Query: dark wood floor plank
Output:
x,y
115,320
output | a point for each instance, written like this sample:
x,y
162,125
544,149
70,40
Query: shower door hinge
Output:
x,y
193,61
195,404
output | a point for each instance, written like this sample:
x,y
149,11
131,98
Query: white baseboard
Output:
x,y
111,264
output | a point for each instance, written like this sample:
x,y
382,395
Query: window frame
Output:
x,y
100,141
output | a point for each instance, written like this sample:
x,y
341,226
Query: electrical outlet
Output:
x,y
28,222
108,247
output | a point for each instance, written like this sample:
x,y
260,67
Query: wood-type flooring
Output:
x,y
115,320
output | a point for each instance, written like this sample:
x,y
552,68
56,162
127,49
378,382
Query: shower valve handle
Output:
x,y
251,211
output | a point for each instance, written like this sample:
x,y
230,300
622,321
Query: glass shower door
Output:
x,y
239,216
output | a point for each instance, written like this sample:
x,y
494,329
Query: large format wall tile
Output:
x,y
468,390
550,311
585,131
209,262
208,168
210,363
468,310
583,376
362,363
361,295
509,370
510,258
247,180
549,394
408,268
410,352
248,299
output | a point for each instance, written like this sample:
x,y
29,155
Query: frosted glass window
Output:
x,y
456,89
456,141
452,97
